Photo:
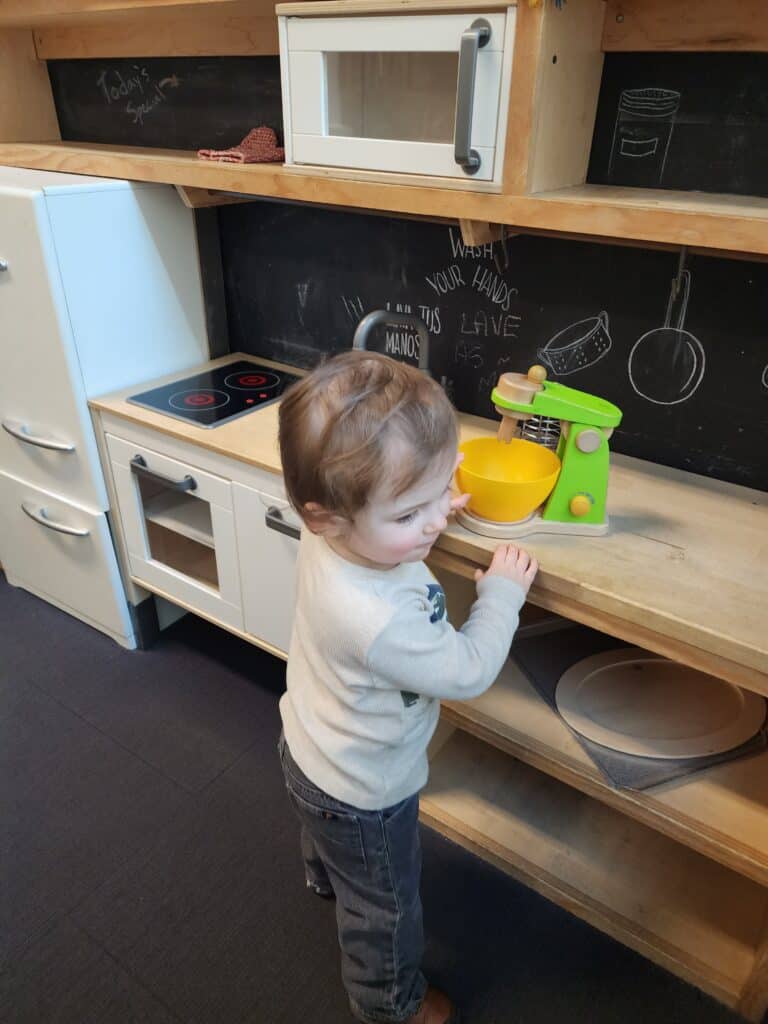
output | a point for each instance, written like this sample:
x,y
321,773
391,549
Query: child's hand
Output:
x,y
513,564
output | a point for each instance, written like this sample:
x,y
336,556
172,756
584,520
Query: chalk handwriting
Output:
x,y
469,252
494,325
444,281
498,291
468,355
143,94
353,307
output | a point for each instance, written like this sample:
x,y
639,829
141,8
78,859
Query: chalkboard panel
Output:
x,y
694,395
167,102
683,121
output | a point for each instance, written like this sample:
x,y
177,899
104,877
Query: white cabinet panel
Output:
x,y
412,33
64,554
41,387
268,562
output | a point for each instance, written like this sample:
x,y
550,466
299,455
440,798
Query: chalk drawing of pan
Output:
x,y
764,378
666,365
577,346
645,121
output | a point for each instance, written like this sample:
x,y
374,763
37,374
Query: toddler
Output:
x,y
369,450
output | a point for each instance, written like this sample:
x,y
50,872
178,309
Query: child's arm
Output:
x,y
415,654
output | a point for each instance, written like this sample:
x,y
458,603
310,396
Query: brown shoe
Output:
x,y
436,1008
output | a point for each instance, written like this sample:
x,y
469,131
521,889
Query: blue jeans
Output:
x,y
372,862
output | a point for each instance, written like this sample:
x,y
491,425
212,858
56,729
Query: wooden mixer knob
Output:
x,y
579,505
537,374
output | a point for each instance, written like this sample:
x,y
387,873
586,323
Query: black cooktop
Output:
x,y
218,395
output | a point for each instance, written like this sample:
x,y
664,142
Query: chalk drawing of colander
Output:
x,y
577,346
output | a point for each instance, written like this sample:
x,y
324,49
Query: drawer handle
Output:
x,y
41,516
274,520
21,432
472,39
3,266
140,467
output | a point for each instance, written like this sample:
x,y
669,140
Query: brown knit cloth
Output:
x,y
258,147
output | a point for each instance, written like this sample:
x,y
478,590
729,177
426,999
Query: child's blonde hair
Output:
x,y
338,423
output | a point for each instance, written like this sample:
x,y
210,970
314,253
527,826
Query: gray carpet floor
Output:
x,y
149,863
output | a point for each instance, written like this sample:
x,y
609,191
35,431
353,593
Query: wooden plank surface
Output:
x,y
679,25
26,101
728,223
687,913
230,29
24,13
721,812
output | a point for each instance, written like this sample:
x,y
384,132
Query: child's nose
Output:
x,y
437,523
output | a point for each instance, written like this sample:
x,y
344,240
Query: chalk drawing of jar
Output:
x,y
643,130
577,346
666,365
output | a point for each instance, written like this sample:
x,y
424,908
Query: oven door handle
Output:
x,y
274,520
140,468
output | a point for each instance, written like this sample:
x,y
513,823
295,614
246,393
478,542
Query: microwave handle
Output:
x,y
472,39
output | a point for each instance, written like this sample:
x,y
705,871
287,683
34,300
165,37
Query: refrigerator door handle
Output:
x,y
21,433
41,516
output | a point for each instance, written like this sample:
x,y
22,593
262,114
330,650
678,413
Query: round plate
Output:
x,y
641,703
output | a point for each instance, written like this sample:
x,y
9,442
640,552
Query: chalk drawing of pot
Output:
x,y
666,365
577,346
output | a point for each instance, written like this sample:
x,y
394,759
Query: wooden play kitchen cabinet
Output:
x,y
678,872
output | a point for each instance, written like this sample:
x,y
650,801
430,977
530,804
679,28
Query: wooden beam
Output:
x,y
727,223
26,108
478,232
211,29
26,13
199,198
680,25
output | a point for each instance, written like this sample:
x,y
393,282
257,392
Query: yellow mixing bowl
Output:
x,y
507,481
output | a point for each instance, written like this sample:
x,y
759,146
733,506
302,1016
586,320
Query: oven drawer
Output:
x,y
64,554
179,529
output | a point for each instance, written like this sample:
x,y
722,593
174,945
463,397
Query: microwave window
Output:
x,y
408,97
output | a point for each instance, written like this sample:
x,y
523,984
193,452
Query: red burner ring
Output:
x,y
198,400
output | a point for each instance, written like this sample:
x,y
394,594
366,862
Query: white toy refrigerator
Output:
x,y
99,289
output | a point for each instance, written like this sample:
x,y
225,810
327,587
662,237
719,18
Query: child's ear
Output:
x,y
320,520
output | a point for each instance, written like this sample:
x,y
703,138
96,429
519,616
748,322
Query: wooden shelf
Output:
x,y
189,517
685,912
722,812
734,224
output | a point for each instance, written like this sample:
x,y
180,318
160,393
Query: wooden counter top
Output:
x,y
683,570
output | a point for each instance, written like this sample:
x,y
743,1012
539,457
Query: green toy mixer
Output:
x,y
546,471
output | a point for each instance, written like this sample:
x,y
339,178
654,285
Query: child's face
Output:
x,y
391,530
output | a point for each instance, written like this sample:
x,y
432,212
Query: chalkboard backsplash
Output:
x,y
691,375
683,121
167,102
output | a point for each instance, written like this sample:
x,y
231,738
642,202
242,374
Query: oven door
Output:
x,y
414,94
179,530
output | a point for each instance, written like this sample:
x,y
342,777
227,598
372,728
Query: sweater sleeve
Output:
x,y
415,654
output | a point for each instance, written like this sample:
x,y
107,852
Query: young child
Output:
x,y
369,450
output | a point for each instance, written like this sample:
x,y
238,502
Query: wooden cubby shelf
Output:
x,y
726,223
721,812
673,905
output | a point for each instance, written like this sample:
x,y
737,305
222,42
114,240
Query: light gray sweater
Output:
x,y
371,655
